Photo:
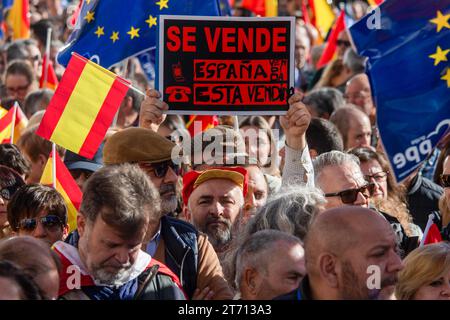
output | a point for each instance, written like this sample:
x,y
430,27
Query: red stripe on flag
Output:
x,y
7,120
62,95
68,183
330,49
25,16
104,118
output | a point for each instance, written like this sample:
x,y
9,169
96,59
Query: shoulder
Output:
x,y
432,187
178,224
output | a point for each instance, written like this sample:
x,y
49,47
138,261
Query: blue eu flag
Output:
x,y
109,31
408,46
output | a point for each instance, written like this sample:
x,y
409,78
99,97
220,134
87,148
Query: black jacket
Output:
x,y
423,198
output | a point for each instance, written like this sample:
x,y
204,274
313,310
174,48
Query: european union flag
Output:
x,y
408,46
109,31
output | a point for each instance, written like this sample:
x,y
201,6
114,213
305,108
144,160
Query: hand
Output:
x,y
205,294
296,122
152,111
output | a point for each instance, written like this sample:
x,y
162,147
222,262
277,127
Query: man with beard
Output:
x,y
350,253
214,200
112,223
176,243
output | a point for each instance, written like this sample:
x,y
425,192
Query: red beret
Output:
x,y
193,179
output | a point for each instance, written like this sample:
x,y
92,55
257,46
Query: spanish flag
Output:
x,y
48,79
375,3
330,48
263,8
58,176
323,16
7,118
19,19
83,107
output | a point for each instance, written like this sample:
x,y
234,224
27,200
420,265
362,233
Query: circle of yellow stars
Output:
x,y
441,21
133,32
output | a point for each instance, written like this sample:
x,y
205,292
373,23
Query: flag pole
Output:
x,y
47,55
13,124
54,165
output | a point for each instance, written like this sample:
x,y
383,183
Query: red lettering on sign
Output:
x,y
279,39
262,40
229,39
173,39
212,42
189,39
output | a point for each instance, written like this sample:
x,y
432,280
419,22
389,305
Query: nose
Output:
x,y
395,263
40,231
123,255
216,209
361,200
2,202
170,176
250,200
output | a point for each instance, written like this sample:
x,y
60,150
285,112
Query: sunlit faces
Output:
x,y
107,253
438,289
373,172
343,177
257,191
17,86
359,133
257,143
213,207
284,271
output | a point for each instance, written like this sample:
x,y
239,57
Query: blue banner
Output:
x,y
109,31
408,46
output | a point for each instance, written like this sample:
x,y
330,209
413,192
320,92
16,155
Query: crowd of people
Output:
x,y
302,206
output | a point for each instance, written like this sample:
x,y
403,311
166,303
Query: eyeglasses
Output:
x,y
378,177
76,173
445,179
160,169
50,222
343,43
349,196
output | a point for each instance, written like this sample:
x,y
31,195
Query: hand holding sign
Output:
x,y
152,111
296,122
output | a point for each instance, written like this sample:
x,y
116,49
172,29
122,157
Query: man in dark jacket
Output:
x,y
106,263
178,244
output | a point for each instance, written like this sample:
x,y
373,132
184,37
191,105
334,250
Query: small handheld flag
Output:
x,y
58,176
83,107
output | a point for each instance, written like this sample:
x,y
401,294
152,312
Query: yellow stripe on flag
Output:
x,y
324,16
91,90
47,176
271,8
71,210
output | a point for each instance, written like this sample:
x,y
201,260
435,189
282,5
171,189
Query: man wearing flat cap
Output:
x,y
214,199
176,243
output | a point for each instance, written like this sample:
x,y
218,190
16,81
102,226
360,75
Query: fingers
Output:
x,y
152,109
296,97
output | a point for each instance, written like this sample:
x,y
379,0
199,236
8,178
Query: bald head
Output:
x,y
354,126
358,92
36,259
336,230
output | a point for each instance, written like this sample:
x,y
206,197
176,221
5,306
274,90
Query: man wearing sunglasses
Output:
x,y
339,176
38,211
178,244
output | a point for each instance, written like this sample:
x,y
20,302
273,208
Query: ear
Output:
x,y
65,231
251,281
187,213
328,268
42,160
81,224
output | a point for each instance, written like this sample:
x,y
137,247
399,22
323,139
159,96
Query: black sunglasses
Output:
x,y
445,180
76,173
349,196
50,222
343,43
160,169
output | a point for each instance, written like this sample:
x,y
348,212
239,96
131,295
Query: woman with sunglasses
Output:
x,y
388,196
38,211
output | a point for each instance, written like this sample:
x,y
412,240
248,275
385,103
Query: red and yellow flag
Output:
x,y
83,107
330,48
19,19
52,81
263,8
323,16
375,3
58,176
16,115
207,122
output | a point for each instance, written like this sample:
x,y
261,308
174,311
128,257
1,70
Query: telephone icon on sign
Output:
x,y
178,93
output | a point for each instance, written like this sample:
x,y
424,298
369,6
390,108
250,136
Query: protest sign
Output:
x,y
223,65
